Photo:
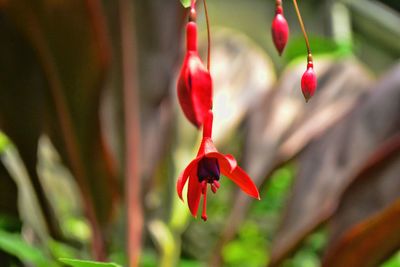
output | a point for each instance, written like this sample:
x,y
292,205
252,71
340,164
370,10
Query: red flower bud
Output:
x,y
194,83
280,29
309,81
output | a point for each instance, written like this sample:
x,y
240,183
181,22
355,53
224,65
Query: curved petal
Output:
x,y
202,91
240,177
184,90
184,176
194,192
227,163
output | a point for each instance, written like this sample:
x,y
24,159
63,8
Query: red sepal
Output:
x,y
194,84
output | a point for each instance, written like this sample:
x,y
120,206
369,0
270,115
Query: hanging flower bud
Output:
x,y
309,80
194,83
280,28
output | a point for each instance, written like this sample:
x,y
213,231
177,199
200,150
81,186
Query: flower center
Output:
x,y
208,172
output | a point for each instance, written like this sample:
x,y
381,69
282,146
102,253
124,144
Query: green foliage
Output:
x,y
148,258
185,3
273,197
296,47
15,245
393,261
250,247
4,142
82,263
189,263
61,250
309,253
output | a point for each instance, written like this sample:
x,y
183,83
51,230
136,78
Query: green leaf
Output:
x,y
81,263
185,3
15,245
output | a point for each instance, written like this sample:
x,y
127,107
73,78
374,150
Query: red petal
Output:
x,y
184,91
227,163
194,192
184,176
240,177
202,92
194,89
206,146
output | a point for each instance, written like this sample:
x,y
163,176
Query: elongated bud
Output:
x,y
194,83
191,36
309,80
280,28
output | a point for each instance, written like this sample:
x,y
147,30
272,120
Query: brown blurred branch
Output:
x,y
68,133
132,132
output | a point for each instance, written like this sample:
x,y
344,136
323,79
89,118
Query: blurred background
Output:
x,y
92,139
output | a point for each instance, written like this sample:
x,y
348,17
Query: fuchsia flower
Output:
x,y
309,80
280,28
194,83
206,169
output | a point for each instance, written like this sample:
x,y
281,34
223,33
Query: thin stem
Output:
x,y
302,26
208,35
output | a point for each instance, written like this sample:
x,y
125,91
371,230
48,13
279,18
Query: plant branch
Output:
x,y
67,131
132,132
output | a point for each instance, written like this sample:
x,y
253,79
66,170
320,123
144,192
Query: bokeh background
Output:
x,y
92,139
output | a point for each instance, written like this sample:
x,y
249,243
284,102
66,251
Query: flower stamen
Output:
x,y
204,191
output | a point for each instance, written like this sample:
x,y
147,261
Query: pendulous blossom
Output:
x,y
207,168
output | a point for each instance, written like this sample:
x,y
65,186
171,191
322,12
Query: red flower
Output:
x,y
194,83
309,81
280,29
206,169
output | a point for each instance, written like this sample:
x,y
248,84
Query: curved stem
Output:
x,y
302,26
208,35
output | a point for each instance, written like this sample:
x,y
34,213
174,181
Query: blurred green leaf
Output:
x,y
319,45
148,258
249,248
4,142
61,250
393,261
82,263
185,3
273,197
190,263
15,245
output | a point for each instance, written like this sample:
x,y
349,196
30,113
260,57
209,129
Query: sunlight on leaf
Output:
x,y
394,261
15,245
4,142
82,263
185,3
